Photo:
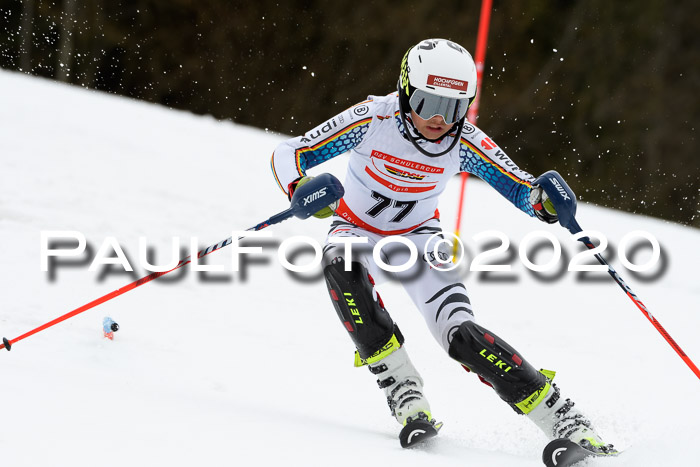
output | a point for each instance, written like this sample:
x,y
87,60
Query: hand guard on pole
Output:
x,y
323,213
544,209
560,198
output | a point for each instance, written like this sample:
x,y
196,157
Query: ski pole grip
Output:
x,y
562,197
315,195
308,199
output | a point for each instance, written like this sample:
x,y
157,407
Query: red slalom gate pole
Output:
x,y
481,39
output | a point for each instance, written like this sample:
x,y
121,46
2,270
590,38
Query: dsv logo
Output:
x,y
314,196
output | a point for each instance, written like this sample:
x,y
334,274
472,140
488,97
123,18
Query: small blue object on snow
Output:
x,y
109,327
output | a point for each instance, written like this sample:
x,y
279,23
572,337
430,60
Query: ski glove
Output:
x,y
321,214
544,209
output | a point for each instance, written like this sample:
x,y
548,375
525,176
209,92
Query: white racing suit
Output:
x,y
391,188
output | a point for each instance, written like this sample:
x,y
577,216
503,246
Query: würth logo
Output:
x,y
487,143
447,82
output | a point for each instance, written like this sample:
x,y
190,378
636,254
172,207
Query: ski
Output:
x,y
417,431
566,453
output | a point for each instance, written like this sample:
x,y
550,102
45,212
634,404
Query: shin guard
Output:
x,y
515,381
361,310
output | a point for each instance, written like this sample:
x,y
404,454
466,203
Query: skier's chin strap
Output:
x,y
414,140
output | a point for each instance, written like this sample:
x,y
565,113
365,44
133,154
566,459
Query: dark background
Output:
x,y
605,92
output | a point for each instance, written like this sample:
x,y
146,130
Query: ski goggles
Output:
x,y
428,105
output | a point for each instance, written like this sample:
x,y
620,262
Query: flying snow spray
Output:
x,y
109,327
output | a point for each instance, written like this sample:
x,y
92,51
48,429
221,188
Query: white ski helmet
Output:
x,y
438,77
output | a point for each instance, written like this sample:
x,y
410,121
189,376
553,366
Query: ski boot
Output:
x,y
569,428
403,388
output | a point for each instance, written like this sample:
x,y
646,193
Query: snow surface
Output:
x,y
257,370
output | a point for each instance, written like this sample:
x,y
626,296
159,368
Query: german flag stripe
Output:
x,y
487,159
274,172
330,139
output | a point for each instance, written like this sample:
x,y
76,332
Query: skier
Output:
x,y
404,147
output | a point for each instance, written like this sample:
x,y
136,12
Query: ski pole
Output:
x,y
564,202
309,198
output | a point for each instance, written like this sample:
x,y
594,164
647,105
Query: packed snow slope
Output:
x,y
225,369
